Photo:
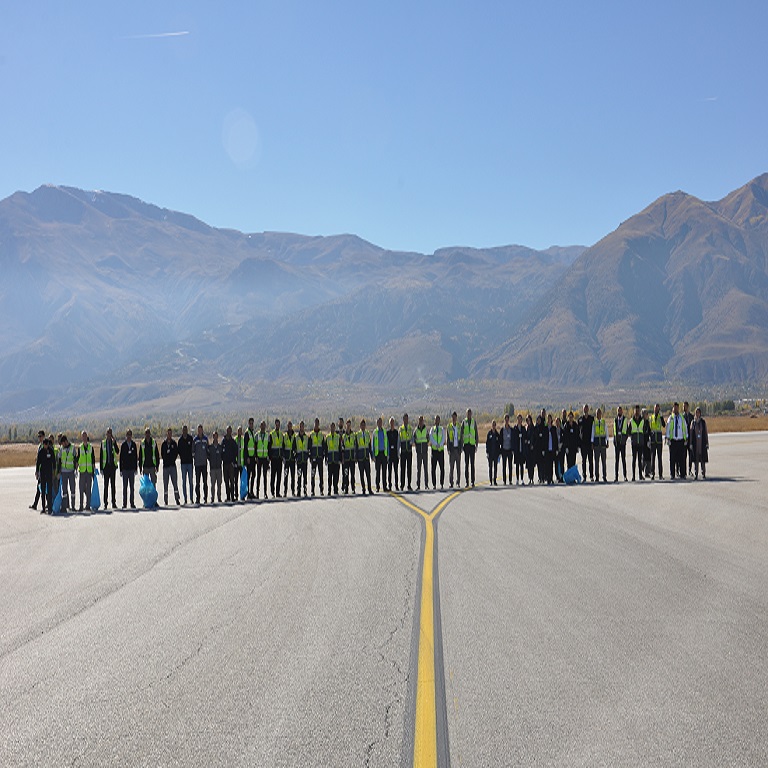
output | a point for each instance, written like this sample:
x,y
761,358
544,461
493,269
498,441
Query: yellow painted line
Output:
x,y
425,734
425,728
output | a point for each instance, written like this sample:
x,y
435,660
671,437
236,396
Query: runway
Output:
x,y
607,624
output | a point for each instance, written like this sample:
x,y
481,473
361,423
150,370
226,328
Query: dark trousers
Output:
x,y
348,476
406,469
493,469
170,477
469,464
519,467
438,460
421,463
506,461
109,479
393,466
620,454
250,463
128,478
186,479
381,471
289,468
301,475
333,478
677,458
45,492
276,473
230,481
364,467
454,462
637,459
586,456
317,467
201,473
262,471
656,457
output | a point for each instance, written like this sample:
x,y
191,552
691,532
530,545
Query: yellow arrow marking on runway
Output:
x,y
425,733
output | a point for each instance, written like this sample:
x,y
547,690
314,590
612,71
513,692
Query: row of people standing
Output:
x,y
550,445
274,457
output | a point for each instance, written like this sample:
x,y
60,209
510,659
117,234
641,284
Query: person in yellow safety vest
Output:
x,y
275,459
301,454
380,450
263,439
453,441
86,463
362,455
249,457
333,457
600,443
469,441
437,445
657,441
421,441
289,460
149,457
406,452
109,458
348,452
637,431
67,456
620,434
677,436
316,455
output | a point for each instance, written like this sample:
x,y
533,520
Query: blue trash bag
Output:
x,y
244,483
57,501
95,494
572,476
148,492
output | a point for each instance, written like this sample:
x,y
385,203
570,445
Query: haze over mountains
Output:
x,y
113,304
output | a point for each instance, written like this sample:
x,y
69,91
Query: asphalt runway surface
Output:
x,y
594,625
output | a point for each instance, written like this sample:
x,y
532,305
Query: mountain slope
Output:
x,y
677,292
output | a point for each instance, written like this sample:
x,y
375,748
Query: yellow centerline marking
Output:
x,y
425,729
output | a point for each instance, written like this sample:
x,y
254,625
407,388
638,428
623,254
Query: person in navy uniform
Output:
x,y
45,466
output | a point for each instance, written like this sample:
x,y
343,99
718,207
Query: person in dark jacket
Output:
x,y
40,441
493,452
129,464
229,457
215,466
530,453
317,455
637,427
570,437
109,458
169,452
560,455
552,448
393,459
688,416
201,464
586,420
186,458
518,450
45,467
540,446
698,437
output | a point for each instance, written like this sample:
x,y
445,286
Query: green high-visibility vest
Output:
x,y
316,445
250,443
240,440
262,445
469,431
85,460
277,444
332,446
67,459
601,432
300,446
349,444
363,442
406,438
380,444
421,434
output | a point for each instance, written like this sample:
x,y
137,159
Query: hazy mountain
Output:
x,y
678,292
110,302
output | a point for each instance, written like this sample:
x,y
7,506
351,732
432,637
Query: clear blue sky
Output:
x,y
415,125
